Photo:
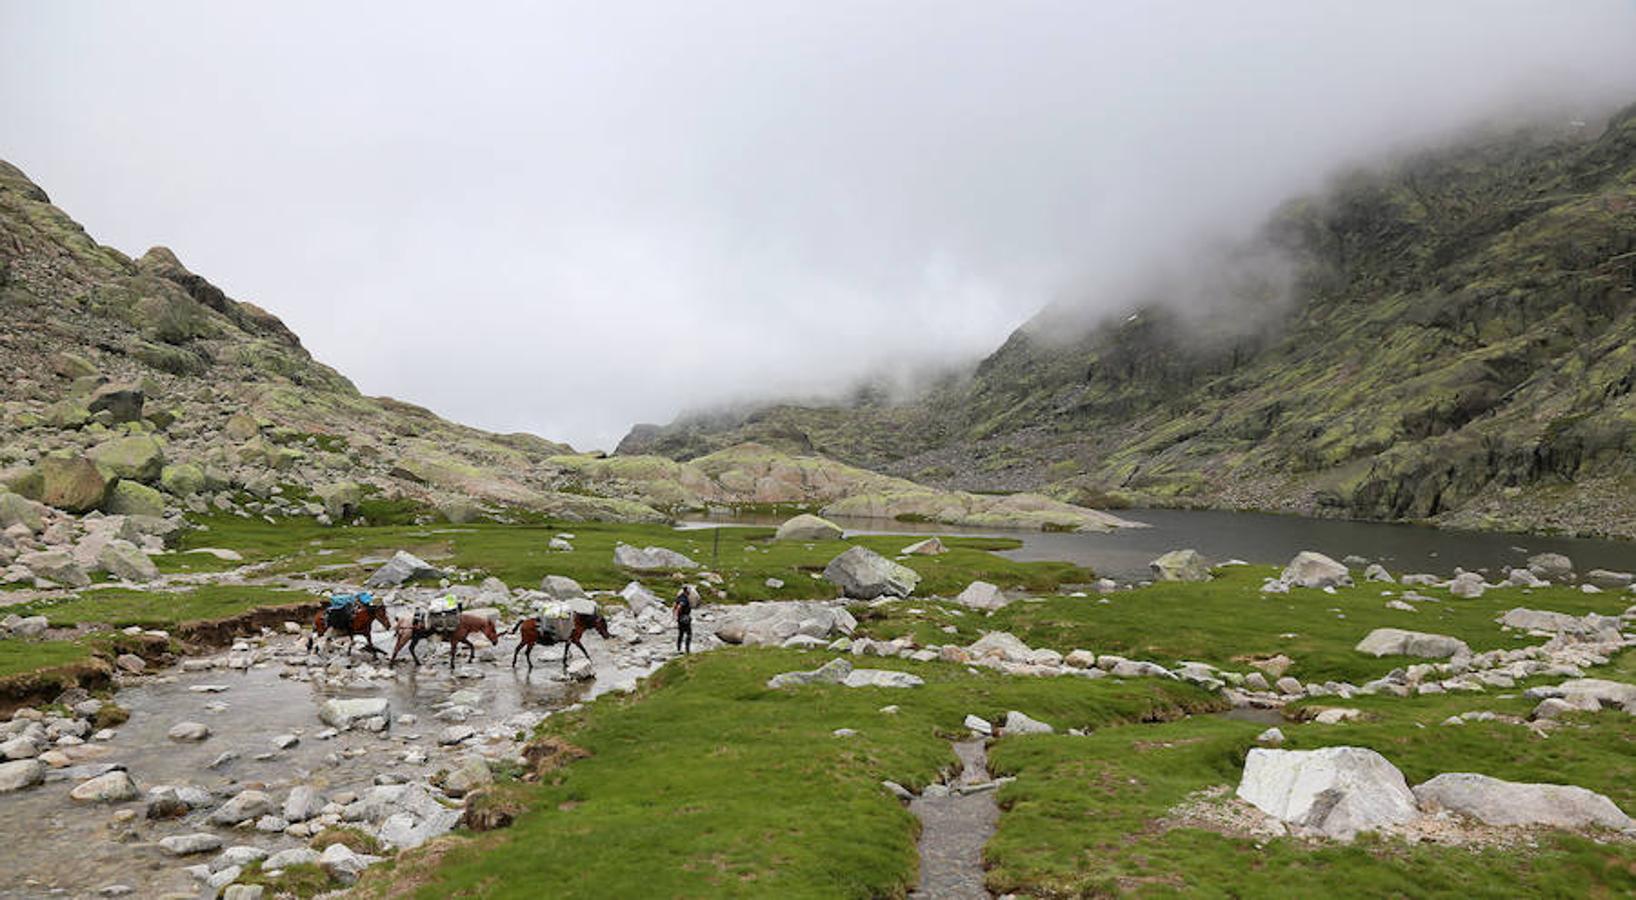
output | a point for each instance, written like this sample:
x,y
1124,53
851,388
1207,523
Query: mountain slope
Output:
x,y
137,386
1451,337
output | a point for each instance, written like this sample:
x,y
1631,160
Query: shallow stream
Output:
x,y
54,846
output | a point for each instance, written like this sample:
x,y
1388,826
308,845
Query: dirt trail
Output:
x,y
954,828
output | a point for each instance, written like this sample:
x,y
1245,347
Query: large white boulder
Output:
x,y
833,672
243,806
561,588
929,547
1590,627
1551,567
1180,565
639,598
109,787
771,623
1311,569
1021,723
1590,693
343,712
982,595
123,560
1337,791
650,559
808,527
885,678
1001,644
1398,642
1467,585
1496,802
19,774
863,574
403,566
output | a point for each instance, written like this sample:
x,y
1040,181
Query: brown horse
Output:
x,y
533,634
468,624
360,618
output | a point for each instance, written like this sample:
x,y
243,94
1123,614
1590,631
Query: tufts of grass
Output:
x,y
122,607
1228,620
519,556
111,715
18,657
302,880
1084,817
356,840
706,784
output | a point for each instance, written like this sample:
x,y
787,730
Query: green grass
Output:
x,y
518,554
303,880
1082,819
122,607
706,784
18,657
1227,620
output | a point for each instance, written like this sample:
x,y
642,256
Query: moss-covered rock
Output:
x,y
68,413
16,509
182,480
71,483
128,498
136,458
72,365
340,498
241,427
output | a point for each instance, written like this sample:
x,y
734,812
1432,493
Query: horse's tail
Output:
x,y
513,629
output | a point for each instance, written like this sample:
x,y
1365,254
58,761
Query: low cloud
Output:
x,y
570,219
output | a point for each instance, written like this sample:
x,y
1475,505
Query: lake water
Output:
x,y
1265,538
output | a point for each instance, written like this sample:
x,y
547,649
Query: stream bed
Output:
x,y
55,846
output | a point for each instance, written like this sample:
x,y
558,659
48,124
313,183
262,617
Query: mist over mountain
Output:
x,y
1447,336
565,220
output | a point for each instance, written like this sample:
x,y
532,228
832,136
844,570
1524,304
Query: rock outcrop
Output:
x,y
1336,791
807,527
1398,642
1495,802
863,574
1180,565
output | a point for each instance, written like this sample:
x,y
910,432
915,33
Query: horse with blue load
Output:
x,y
350,615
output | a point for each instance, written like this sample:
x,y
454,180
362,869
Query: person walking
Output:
x,y
683,611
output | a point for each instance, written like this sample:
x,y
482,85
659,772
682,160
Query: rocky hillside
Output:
x,y
138,387
1451,337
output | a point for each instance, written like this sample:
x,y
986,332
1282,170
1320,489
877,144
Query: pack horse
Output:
x,y
411,630
350,615
546,630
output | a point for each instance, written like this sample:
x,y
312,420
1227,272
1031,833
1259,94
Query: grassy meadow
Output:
x,y
1228,621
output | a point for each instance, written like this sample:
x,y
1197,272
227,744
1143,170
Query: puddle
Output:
x,y
1254,714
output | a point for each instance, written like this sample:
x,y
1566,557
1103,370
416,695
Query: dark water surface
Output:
x,y
1265,538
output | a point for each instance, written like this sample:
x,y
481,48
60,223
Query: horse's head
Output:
x,y
600,623
490,631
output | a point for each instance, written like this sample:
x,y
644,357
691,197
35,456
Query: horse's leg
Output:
x,y
583,650
471,651
413,640
514,654
529,656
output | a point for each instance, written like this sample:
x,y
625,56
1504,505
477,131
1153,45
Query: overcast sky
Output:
x,y
571,218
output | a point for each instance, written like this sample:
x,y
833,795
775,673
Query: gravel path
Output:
x,y
954,829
